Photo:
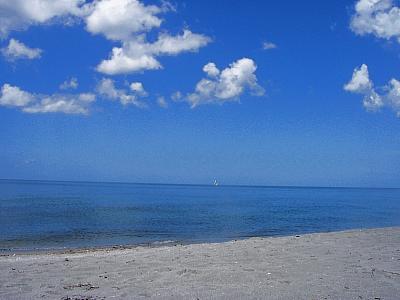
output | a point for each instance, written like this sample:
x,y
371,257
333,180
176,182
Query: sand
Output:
x,y
358,264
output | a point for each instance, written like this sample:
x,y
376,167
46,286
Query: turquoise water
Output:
x,y
44,214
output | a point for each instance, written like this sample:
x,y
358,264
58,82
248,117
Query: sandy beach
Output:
x,y
357,264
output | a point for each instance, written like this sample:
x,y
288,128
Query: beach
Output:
x,y
355,264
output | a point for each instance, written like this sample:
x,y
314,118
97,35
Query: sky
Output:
x,y
305,93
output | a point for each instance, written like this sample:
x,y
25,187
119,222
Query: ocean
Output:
x,y
42,215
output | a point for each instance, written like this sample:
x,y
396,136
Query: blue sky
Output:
x,y
319,107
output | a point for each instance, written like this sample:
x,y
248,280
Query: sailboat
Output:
x,y
216,183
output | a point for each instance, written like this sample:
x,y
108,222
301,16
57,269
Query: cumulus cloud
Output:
x,y
20,14
122,62
107,89
71,83
122,19
361,83
138,54
211,70
378,17
13,96
226,85
18,50
269,46
128,21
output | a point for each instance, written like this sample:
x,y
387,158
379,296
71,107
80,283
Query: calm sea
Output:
x,y
53,215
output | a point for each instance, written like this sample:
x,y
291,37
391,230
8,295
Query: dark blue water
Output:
x,y
39,215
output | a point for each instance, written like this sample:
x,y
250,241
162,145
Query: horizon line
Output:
x,y
199,184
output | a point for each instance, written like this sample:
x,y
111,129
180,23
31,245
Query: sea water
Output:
x,y
57,215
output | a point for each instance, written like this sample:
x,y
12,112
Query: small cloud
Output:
x,y
162,102
137,87
269,46
168,6
106,88
69,84
18,50
30,161
360,81
176,96
14,96
226,85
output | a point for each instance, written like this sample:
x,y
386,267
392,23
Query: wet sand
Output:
x,y
357,264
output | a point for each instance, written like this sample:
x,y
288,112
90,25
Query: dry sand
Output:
x,y
344,265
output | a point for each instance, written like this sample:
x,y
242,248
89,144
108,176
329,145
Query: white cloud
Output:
x,y
393,95
372,101
360,81
226,85
14,96
122,19
211,70
36,103
68,104
128,21
18,50
378,17
138,88
162,102
107,89
173,45
121,62
269,46
138,55
20,14
71,83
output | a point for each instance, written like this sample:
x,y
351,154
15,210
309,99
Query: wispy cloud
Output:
x,y
107,89
17,50
162,102
70,84
13,96
269,46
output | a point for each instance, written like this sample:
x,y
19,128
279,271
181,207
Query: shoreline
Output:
x,y
354,264
158,244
